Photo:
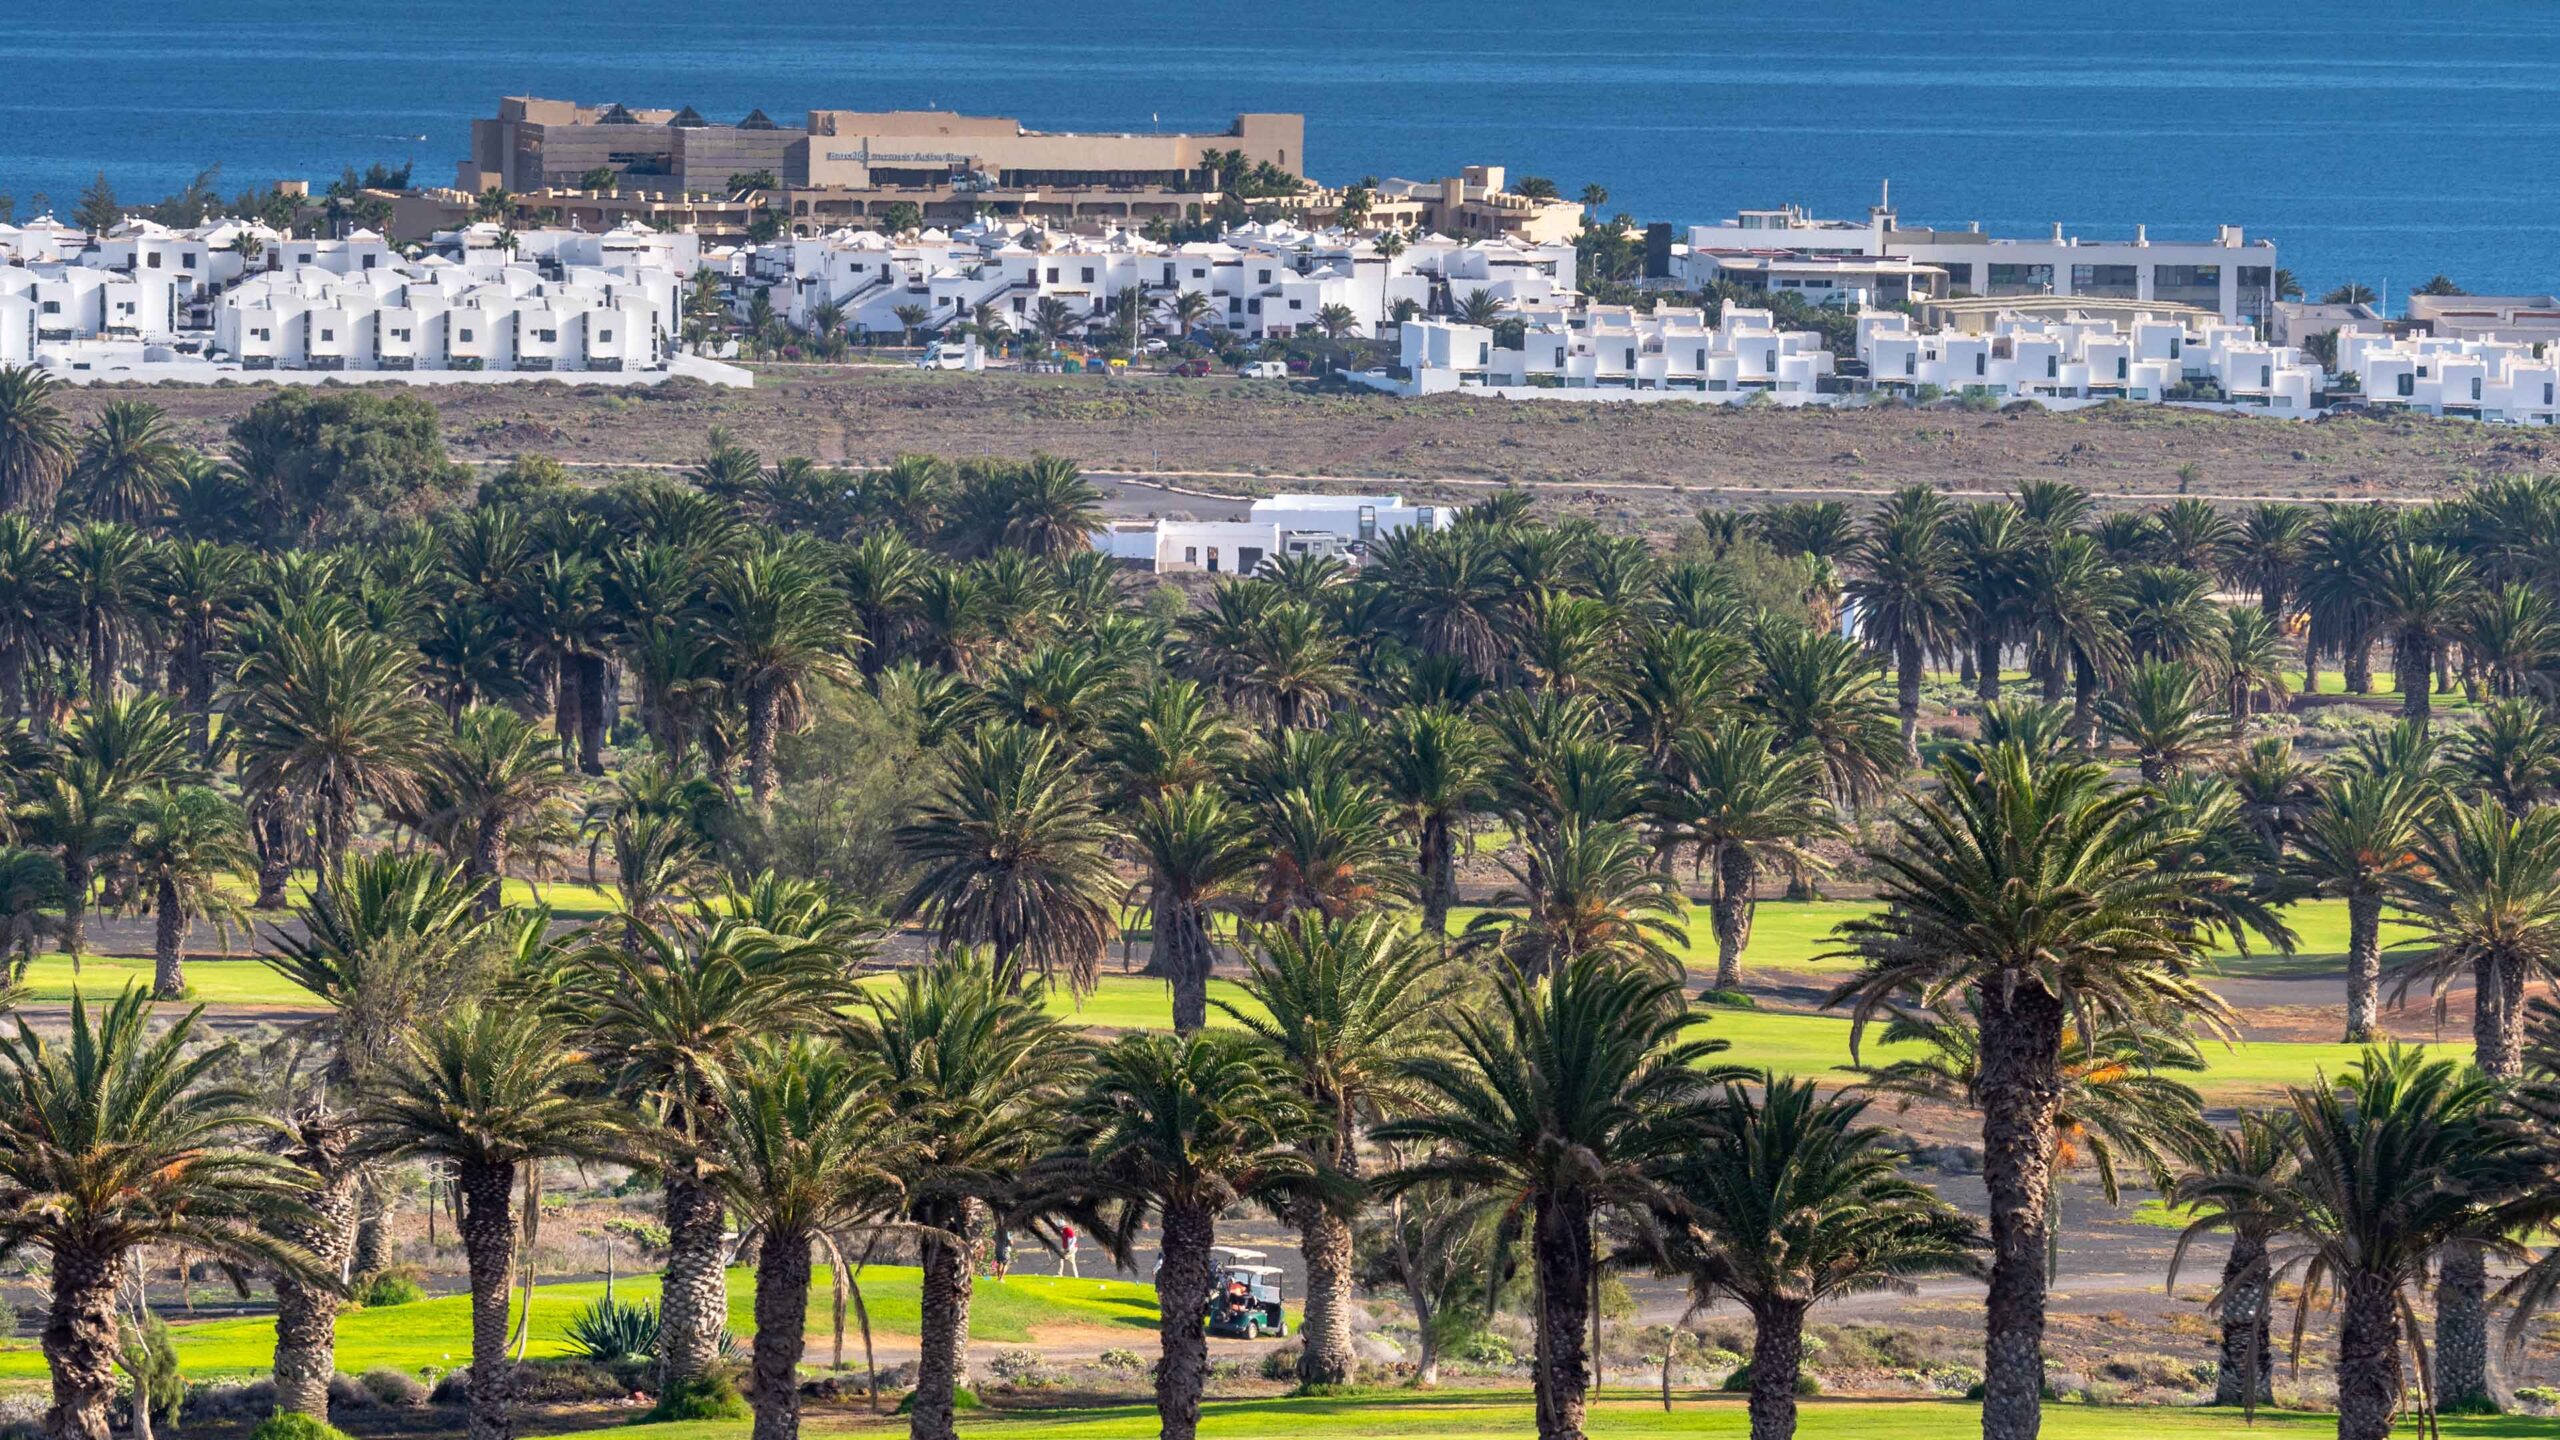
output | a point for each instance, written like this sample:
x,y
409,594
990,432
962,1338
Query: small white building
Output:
x,y
1214,547
2081,357
2506,381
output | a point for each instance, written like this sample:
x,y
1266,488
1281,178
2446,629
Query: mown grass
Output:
x,y
51,980
437,1332
1488,1414
569,900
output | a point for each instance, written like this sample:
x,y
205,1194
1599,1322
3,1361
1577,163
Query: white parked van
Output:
x,y
1263,370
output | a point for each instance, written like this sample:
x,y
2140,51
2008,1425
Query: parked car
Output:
x,y
1244,1303
1263,370
1194,368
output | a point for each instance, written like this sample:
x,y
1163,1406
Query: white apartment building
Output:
x,y
2229,274
2513,382
1260,280
1615,347
1276,525
2079,357
437,315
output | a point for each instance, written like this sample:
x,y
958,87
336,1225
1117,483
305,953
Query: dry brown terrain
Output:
x,y
1631,463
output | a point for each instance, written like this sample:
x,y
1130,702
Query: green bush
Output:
x,y
612,1331
286,1425
394,1387
962,1398
707,1397
1740,1380
1727,999
390,1288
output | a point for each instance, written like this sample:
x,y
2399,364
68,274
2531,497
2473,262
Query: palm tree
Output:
x,y
982,1074
112,1139
180,845
2511,755
805,1129
202,587
1991,543
1185,1128
2269,552
2400,1156
1337,321
1200,859
2423,593
333,714
774,627
1009,851
126,463
2074,604
1822,690
1560,1101
910,319
1432,763
499,771
2361,832
1910,599
1481,307
1291,665
1052,319
35,439
2041,888
2342,587
1168,736
1051,510
31,611
664,1008
1789,1202
1187,310
2225,1190
2512,636
2164,714
1583,889
1744,801
1340,1004
114,752
384,942
1328,844
108,575
2247,656
493,1092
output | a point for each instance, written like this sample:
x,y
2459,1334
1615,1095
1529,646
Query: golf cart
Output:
x,y
1244,1299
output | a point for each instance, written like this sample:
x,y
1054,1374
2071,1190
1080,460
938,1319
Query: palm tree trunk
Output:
x,y
2462,1329
2355,659
942,1356
75,900
1182,1290
489,1247
2413,670
272,830
1324,1336
764,737
1738,877
1986,661
306,1353
489,860
2084,702
372,1254
693,1306
1439,875
1180,953
2364,967
2246,1364
2369,1375
168,932
1561,1253
2020,1092
782,1314
1906,673
591,717
1777,1360
80,1346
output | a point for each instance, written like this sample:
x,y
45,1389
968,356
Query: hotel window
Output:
x,y
2475,387
1981,363
2122,364
604,337
2053,367
464,337
328,334
186,262
2408,383
1910,363
546,335
1702,360
1088,274
2266,376
53,307
151,261
1053,274
2546,392
1190,554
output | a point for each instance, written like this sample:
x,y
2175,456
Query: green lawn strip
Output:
x,y
1488,1414
569,900
50,980
438,1332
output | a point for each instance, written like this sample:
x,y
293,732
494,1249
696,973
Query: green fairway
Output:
x,y
1487,1414
438,1332
568,900
215,982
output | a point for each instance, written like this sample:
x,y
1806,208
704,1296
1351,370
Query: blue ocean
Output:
x,y
2376,142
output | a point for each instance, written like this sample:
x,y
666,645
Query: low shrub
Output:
x,y
390,1288
707,1397
396,1388
286,1425
1121,1360
609,1332
1740,1380
962,1398
229,1401
1022,1368
1280,1362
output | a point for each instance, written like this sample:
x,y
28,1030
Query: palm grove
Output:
x,y
808,722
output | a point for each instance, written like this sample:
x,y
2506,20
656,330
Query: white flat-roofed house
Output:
x,y
622,335
410,337
1351,518
2493,380
333,338
2044,358
359,251
477,338
545,338
17,327
1214,547
1616,347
